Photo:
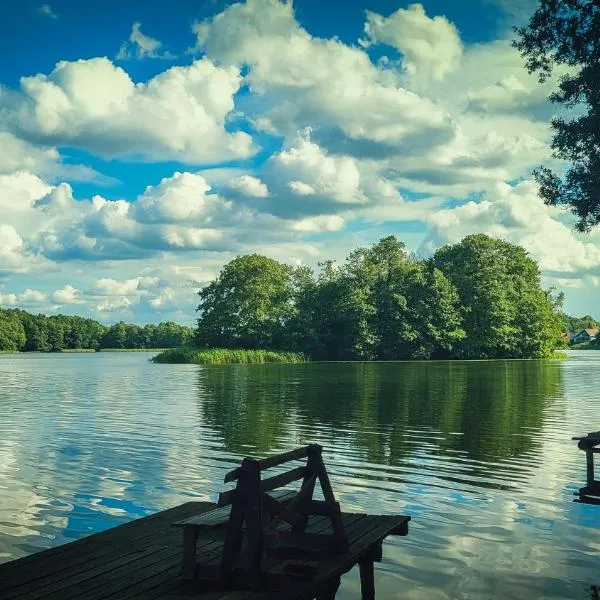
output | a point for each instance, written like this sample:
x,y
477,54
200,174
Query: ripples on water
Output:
x,y
478,453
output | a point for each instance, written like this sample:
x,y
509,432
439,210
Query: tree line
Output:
x,y
23,331
480,298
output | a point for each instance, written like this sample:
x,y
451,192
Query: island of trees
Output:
x,y
22,331
478,299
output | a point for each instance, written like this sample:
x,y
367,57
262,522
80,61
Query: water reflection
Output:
x,y
478,453
490,412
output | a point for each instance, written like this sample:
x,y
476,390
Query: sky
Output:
x,y
145,144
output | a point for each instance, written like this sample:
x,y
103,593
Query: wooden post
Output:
x,y
254,525
233,531
336,521
189,552
308,485
367,578
330,589
589,455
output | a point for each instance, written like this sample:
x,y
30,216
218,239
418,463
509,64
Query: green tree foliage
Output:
x,y
576,324
481,298
506,313
20,330
249,305
12,333
567,33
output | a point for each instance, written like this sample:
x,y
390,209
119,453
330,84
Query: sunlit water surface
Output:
x,y
479,454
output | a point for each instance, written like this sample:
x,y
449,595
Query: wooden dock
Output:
x,y
142,560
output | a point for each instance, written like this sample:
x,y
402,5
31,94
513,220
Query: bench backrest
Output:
x,y
251,467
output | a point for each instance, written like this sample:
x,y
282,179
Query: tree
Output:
x,y
12,332
249,305
408,309
115,336
567,33
506,313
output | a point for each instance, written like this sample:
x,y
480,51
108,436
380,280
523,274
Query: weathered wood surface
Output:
x,y
252,516
142,560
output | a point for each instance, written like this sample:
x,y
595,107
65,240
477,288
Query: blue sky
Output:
x,y
143,145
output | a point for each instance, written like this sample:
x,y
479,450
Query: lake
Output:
x,y
478,453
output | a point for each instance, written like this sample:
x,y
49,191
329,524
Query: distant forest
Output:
x,y
22,331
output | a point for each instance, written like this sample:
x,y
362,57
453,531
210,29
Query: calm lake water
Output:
x,y
479,454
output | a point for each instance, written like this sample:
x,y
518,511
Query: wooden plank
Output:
x,y
319,507
304,541
115,582
160,584
402,528
51,566
126,531
282,479
212,518
266,485
273,461
87,578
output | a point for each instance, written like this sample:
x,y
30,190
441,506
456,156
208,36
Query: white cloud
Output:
x,y
431,47
307,170
28,298
67,295
518,215
248,185
92,104
184,197
306,81
14,256
17,155
305,180
46,9
320,223
141,46
33,296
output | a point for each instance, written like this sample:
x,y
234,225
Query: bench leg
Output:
x,y
329,591
367,579
589,455
189,552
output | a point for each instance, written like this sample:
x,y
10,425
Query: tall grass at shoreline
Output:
x,y
132,350
222,356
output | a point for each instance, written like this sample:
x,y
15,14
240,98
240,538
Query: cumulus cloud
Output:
x,y
28,298
182,213
249,186
92,104
140,45
322,83
430,47
18,155
518,215
305,180
67,295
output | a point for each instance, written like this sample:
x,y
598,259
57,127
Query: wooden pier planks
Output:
x,y
141,560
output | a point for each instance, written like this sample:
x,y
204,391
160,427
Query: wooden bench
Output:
x,y
257,517
590,444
